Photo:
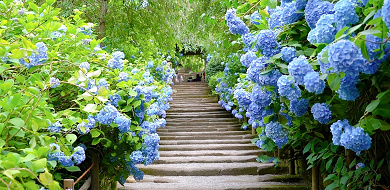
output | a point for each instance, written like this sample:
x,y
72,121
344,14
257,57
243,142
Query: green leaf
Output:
x,y
90,108
341,32
95,133
371,107
94,73
307,148
73,168
132,93
71,138
334,185
268,119
50,2
17,122
325,57
319,134
103,91
344,180
328,165
16,54
272,3
334,81
369,31
87,96
96,141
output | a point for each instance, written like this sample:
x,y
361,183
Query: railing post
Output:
x,y
291,166
95,171
315,178
68,184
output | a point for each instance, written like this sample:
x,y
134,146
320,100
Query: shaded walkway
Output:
x,y
203,147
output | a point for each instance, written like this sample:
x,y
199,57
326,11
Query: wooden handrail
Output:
x,y
86,171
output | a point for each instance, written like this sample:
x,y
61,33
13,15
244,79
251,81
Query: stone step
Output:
x,y
212,153
201,133
189,104
178,142
232,182
206,159
207,169
198,129
184,124
200,115
190,147
198,100
175,109
202,120
189,137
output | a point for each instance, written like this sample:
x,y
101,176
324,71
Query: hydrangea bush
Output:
x,y
65,100
314,77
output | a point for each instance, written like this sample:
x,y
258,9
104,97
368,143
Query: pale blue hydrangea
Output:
x,y
288,54
115,64
266,42
260,97
255,18
255,69
288,88
54,82
324,67
62,28
355,139
345,13
373,45
235,24
337,129
348,90
82,128
247,58
360,165
275,18
270,78
289,13
38,57
102,83
346,57
107,114
55,35
284,2
79,155
301,4
84,65
56,127
65,161
123,76
313,83
144,3
150,64
298,68
299,107
321,113
325,30
275,131
314,9
123,123
150,148
261,140
91,122
242,97
114,99
136,157
118,55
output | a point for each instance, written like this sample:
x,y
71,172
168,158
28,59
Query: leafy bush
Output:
x,y
213,81
214,65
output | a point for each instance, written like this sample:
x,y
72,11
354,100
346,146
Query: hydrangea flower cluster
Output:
x,y
255,18
288,54
275,18
373,44
266,42
84,65
298,68
275,131
386,13
242,96
321,113
289,14
107,114
116,62
313,83
352,138
38,57
325,30
255,68
314,9
288,88
345,13
260,97
235,24
55,128
150,148
55,154
123,123
346,57
79,155
270,79
54,82
115,98
58,34
84,128
299,107
348,90
247,58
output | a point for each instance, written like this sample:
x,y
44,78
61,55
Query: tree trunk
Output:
x,y
102,19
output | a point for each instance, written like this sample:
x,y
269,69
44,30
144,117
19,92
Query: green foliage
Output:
x,y
213,80
213,66
193,63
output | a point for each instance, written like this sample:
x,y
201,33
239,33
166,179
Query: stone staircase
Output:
x,y
203,147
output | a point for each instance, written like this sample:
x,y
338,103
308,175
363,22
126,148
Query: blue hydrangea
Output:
x,y
261,140
79,155
242,96
386,13
144,3
38,57
247,58
84,65
298,68
102,83
345,13
324,67
255,18
301,4
136,157
346,57
355,139
360,165
270,78
115,63
65,161
373,45
56,127
325,30
288,54
260,97
337,129
134,71
314,9
289,13
348,90
115,98
284,2
275,18
321,113
83,128
288,88
91,121
275,131
123,76
55,82
62,28
249,41
255,69
313,83
55,35
150,148
235,24
299,107
107,114
266,42
118,55
123,123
